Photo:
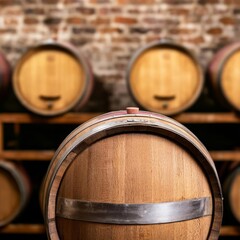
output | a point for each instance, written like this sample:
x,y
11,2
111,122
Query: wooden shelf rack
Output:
x,y
78,118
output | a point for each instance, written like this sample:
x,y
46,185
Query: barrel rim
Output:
x,y
173,45
198,154
19,180
71,49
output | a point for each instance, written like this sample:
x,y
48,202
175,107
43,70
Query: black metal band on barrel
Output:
x,y
149,213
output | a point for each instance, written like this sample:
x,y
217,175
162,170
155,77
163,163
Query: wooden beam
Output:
x,y
23,229
69,118
46,155
29,155
78,118
230,231
208,118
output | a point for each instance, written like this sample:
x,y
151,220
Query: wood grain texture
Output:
x,y
140,168
165,80
50,80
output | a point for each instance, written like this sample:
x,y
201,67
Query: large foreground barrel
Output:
x,y
224,74
14,191
165,77
52,78
5,75
131,175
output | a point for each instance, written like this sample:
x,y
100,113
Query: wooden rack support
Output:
x,y
78,118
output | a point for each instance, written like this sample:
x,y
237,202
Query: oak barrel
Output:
x,y
223,73
5,75
165,77
52,78
232,193
131,175
14,191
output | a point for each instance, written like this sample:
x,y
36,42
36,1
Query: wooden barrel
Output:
x,y
131,175
224,75
5,75
232,193
52,78
165,77
14,191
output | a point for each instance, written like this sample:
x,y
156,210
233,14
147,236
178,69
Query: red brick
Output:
x,y
70,1
232,2
182,31
153,38
8,30
9,2
125,20
210,1
76,20
179,11
100,1
110,30
52,21
215,31
76,30
125,39
30,21
10,21
50,1
13,11
86,11
228,20
196,40
35,11
100,21
29,29
136,1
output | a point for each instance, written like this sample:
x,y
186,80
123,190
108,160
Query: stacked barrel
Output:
x,y
52,78
14,191
165,77
127,174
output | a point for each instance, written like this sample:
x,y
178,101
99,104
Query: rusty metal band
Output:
x,y
149,213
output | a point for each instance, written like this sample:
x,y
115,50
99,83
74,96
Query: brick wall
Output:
x,y
108,32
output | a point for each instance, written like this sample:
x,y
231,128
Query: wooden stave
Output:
x,y
23,182
217,190
71,49
173,45
215,70
5,75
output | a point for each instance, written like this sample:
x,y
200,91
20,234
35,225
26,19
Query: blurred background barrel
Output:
x,y
144,186
5,76
224,75
14,191
232,193
165,77
52,78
